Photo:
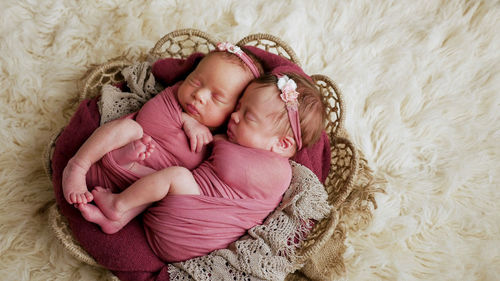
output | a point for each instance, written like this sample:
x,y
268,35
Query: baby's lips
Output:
x,y
229,132
192,109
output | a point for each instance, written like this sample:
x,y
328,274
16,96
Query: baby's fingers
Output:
x,y
192,142
205,139
209,138
201,143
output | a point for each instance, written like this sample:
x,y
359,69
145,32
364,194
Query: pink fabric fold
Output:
x,y
181,227
239,187
236,172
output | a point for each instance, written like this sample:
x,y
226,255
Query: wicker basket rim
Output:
x,y
341,136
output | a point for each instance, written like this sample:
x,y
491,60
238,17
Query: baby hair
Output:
x,y
312,112
235,59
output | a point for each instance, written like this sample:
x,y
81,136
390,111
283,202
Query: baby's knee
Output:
x,y
130,126
179,172
182,181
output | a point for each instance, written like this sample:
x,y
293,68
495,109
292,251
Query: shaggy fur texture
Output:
x,y
420,81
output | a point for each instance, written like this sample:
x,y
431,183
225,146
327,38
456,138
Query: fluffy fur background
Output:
x,y
421,86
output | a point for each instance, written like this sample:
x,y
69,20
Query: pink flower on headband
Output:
x,y
288,91
226,46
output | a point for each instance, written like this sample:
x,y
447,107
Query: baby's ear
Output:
x,y
284,146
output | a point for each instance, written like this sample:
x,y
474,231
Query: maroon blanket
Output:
x,y
127,253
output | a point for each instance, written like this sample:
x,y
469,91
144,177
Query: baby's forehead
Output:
x,y
257,93
224,57
255,88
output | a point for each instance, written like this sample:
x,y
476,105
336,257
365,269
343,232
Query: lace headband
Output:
x,y
228,47
289,95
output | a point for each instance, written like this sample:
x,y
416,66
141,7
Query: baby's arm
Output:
x,y
197,133
106,138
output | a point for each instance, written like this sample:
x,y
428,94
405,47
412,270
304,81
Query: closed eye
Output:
x,y
194,82
250,116
218,97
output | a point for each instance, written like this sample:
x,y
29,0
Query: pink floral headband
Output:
x,y
289,95
228,47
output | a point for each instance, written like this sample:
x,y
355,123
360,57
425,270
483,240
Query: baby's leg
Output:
x,y
106,138
149,189
134,151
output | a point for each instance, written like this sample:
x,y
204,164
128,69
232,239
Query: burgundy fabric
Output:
x,y
168,71
127,253
316,157
273,63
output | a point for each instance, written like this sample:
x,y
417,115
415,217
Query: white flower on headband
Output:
x,y
288,91
226,46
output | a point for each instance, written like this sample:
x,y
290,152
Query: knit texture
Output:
x,y
141,87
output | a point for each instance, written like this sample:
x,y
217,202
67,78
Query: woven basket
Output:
x,y
182,43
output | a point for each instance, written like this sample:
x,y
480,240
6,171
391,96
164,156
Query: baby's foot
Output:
x,y
106,201
74,185
92,214
134,151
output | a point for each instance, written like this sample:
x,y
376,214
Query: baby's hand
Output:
x,y
198,134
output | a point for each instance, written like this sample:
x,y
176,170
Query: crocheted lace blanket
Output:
x,y
268,251
115,103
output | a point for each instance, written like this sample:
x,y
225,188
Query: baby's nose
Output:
x,y
202,95
235,117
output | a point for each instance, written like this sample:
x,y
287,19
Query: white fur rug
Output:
x,y
421,85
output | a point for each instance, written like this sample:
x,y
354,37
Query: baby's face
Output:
x,y
209,94
251,124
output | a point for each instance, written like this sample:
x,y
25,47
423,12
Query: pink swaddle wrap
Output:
x,y
239,187
160,118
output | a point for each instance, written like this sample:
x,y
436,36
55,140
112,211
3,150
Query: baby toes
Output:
x,y
88,196
146,139
72,198
142,156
